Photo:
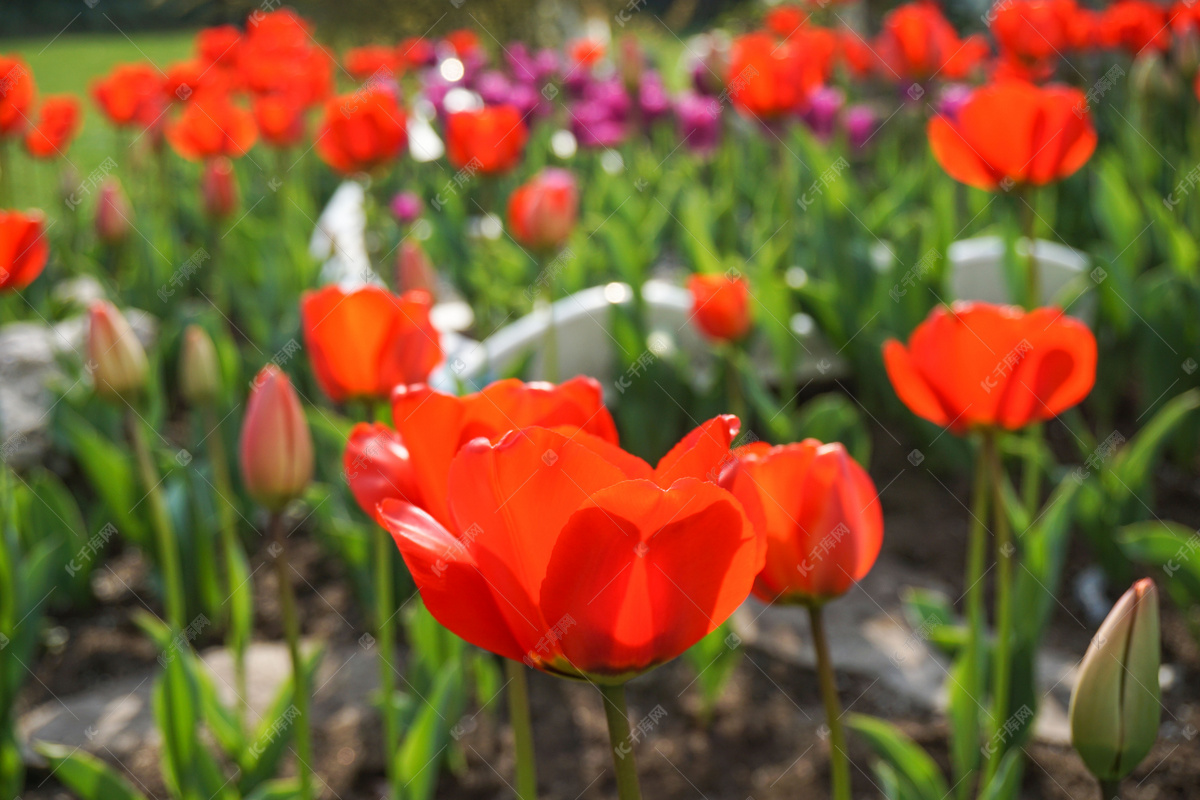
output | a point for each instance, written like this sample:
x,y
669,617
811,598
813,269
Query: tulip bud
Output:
x,y
199,371
406,207
219,188
276,449
414,270
115,356
113,212
542,212
631,62
720,306
1115,707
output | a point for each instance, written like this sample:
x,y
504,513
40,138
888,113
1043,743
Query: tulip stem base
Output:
x,y
622,743
385,631
291,628
1110,790
522,727
839,765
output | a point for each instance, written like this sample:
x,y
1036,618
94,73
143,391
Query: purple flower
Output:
x,y
951,100
653,100
494,88
406,207
594,124
824,105
699,121
860,123
611,95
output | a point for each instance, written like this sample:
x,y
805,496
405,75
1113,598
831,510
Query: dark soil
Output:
x,y
764,741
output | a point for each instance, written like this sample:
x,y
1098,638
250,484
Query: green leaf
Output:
x,y
1133,463
419,756
86,775
110,472
259,759
1005,784
931,615
912,764
714,659
282,789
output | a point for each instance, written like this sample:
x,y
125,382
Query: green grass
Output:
x,y
67,65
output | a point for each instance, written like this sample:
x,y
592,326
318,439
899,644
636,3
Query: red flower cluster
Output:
x,y
363,130
487,140
918,44
57,124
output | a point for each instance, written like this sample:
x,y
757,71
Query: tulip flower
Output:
x,y
276,447
212,125
982,365
218,46
113,212
433,426
1116,706
406,207
183,78
414,270
542,212
785,20
24,248
219,188
917,43
1136,26
767,78
860,122
57,124
364,342
1048,136
699,122
279,117
415,52
819,514
362,131
371,61
115,355
1036,33
199,368
720,306
278,55
585,53
131,94
489,139
16,101
463,41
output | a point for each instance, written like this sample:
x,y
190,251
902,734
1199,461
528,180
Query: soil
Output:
x,y
764,741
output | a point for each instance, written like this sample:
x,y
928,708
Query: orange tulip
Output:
x,y
23,248
433,427
542,212
768,78
785,20
720,306
363,130
1047,135
819,513
556,557
488,139
983,365
16,99
364,342
131,94
275,450
219,46
58,122
211,125
585,52
918,43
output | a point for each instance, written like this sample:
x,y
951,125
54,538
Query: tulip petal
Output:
x,y
911,386
957,157
378,468
345,334
703,453
641,573
451,585
1058,371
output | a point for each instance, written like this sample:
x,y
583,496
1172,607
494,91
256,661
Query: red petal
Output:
x,y
378,468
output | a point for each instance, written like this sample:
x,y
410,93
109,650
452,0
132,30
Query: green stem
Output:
x,y
1001,667
291,628
619,738
385,632
1033,285
839,765
168,552
733,386
1031,474
5,175
227,516
976,558
1110,790
522,726
550,337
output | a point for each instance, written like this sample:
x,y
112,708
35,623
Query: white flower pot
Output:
x,y
977,273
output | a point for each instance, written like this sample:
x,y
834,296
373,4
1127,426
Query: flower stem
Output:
x,y
291,629
974,578
1110,790
385,632
619,738
522,726
839,766
1001,668
164,530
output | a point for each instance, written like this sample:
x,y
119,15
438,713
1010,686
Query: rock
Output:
x,y
30,365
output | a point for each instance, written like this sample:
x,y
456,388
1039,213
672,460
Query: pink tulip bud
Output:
x,y
199,371
541,213
116,358
414,270
276,447
114,216
219,188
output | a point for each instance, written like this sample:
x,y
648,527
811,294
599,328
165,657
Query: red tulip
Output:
x,y
378,467
116,357
362,131
113,212
541,212
276,450
1048,135
558,559
819,513
918,43
785,20
280,119
1036,33
487,139
415,52
16,99
218,187
23,248
433,427
585,53
211,125
131,94
720,306
219,46
373,60
414,270
463,41
279,55
364,342
185,78
768,78
58,122
983,365
854,52
1135,25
